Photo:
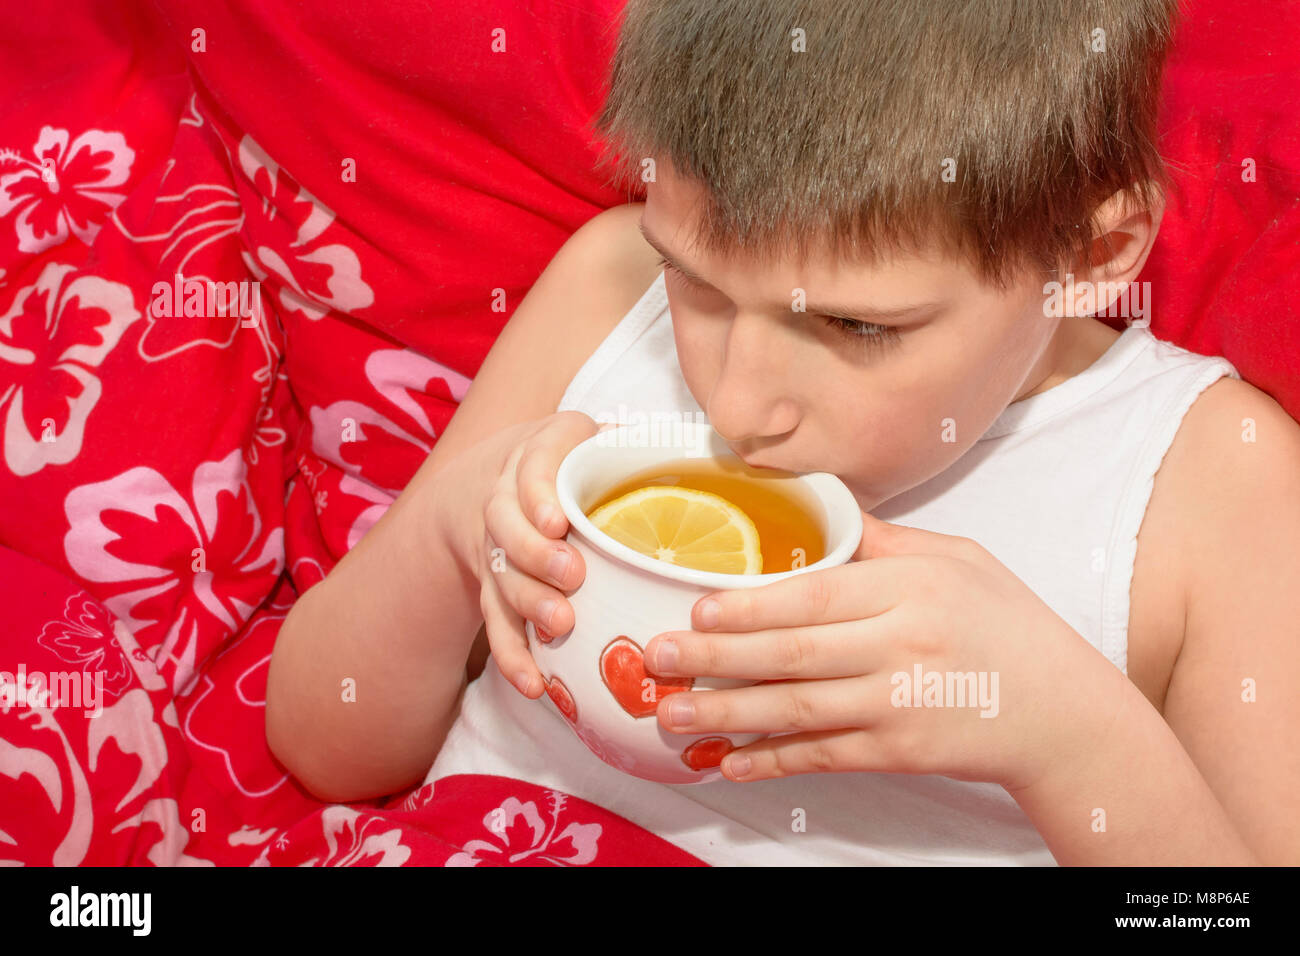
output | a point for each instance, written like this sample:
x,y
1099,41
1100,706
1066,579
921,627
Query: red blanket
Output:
x,y
175,473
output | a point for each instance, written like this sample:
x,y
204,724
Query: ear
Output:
x,y
1124,231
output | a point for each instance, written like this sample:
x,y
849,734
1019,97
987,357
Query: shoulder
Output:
x,y
595,279
589,285
1235,445
609,248
1215,529
1228,492
592,282
617,231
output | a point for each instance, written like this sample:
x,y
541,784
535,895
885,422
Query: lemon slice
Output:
x,y
689,528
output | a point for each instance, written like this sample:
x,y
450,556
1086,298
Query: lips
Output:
x,y
749,460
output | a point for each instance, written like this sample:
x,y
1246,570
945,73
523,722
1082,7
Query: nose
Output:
x,y
750,400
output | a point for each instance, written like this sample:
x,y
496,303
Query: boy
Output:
x,y
859,210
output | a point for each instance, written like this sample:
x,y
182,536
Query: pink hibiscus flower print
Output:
x,y
385,448
53,338
520,837
347,836
65,188
184,568
84,637
290,241
355,839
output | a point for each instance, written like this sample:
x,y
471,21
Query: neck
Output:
x,y
1077,344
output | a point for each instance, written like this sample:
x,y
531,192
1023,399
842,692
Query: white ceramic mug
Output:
x,y
596,680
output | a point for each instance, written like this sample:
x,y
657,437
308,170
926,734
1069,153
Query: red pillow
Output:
x,y
473,165
1225,271
465,127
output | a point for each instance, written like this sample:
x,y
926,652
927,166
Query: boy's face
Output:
x,y
790,390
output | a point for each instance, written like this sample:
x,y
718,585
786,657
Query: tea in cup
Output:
x,y
676,526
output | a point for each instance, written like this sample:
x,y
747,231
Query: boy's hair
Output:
x,y
1046,107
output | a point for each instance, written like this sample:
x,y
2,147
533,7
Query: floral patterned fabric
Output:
x,y
175,473
153,779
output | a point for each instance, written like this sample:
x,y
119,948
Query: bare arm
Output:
x,y
369,664
1212,782
397,617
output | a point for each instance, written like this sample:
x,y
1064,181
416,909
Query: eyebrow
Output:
x,y
856,312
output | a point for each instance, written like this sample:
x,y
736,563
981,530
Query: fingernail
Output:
x,y
558,565
709,613
546,611
665,657
524,682
681,710
739,766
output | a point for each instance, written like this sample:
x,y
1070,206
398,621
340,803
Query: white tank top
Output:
x,y
1055,489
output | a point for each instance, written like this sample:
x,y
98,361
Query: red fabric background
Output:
x,y
1225,271
197,477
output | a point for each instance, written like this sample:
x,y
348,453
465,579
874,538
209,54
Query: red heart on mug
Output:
x,y
707,752
622,668
562,699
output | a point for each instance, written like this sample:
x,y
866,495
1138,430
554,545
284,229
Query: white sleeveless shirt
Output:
x,y
1055,489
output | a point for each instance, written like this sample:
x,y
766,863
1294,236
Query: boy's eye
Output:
x,y
868,334
669,267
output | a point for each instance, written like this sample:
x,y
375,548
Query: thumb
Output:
x,y
881,538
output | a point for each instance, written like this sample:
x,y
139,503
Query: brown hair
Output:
x,y
1047,107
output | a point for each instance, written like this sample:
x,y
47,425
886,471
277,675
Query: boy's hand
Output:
x,y
832,642
524,566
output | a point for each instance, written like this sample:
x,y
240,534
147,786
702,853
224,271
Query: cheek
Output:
x,y
915,415
996,367
967,383
699,352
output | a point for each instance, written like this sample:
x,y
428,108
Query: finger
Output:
x,y
509,643
883,539
827,751
538,465
527,548
789,707
849,592
535,600
814,652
